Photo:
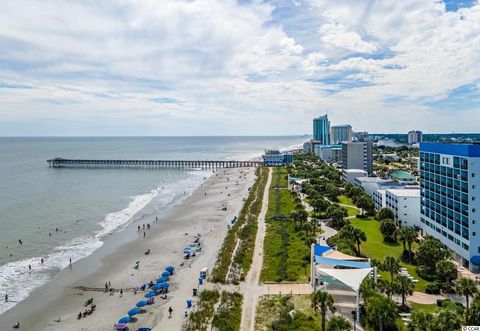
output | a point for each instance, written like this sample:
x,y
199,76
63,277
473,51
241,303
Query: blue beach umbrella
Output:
x,y
161,280
141,303
156,287
149,295
163,285
166,274
133,311
170,268
124,319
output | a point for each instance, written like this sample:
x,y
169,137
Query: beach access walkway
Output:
x,y
251,288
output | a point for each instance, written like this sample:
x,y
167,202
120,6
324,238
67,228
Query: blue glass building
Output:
x,y
321,129
450,196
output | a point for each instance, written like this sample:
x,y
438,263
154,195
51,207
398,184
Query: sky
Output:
x,y
226,67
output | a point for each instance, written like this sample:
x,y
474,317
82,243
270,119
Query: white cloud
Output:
x,y
237,63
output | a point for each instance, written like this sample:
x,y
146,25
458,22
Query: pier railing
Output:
x,y
172,164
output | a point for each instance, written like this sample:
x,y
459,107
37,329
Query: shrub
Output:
x,y
433,288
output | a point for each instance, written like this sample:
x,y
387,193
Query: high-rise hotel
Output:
x,y
450,198
321,130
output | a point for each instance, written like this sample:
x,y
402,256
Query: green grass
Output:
x,y
352,211
428,308
374,247
229,312
344,200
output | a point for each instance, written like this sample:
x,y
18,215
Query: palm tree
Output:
x,y
473,313
358,236
420,320
408,235
323,301
391,265
339,323
381,312
447,319
466,287
404,287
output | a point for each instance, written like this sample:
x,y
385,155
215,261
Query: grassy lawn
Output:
x,y
345,200
374,247
352,211
428,308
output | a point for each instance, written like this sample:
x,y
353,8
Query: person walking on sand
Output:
x,y
170,311
121,293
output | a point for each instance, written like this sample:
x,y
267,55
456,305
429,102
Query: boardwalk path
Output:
x,y
251,288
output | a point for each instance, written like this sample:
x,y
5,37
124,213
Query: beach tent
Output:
x,y
133,311
121,326
166,274
162,280
170,269
141,303
319,249
163,285
124,319
156,287
150,295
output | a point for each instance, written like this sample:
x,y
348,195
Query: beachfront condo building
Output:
x,y
450,198
405,205
321,130
415,137
358,155
341,133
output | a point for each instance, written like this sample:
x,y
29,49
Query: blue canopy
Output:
x,y
162,280
150,294
170,268
141,303
166,274
163,285
124,319
319,249
133,311
156,287
342,263
475,259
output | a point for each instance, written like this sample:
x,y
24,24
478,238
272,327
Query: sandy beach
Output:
x,y
201,213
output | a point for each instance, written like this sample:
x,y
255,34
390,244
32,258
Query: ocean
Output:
x,y
63,214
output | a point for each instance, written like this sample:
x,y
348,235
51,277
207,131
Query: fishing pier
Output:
x,y
149,164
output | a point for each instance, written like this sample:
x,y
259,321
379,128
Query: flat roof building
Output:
x,y
349,175
273,158
405,204
358,155
341,133
401,176
450,198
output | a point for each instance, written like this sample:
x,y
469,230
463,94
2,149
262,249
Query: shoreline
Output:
x,y
114,261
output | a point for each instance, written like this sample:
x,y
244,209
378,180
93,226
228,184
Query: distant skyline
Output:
x,y
208,67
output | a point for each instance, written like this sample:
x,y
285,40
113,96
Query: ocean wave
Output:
x,y
18,282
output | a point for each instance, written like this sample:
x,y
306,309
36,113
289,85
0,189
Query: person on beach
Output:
x,y
144,226
6,297
106,287
29,267
49,234
148,226
144,234
20,241
17,325
170,311
111,291
138,228
41,260
121,293
70,261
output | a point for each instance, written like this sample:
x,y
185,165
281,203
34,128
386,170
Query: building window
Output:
x,y
473,174
473,210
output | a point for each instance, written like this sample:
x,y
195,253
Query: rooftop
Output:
x,y
406,193
371,179
354,171
460,149
402,175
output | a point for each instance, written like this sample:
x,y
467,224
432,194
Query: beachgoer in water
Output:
x,y
6,297
70,260
29,267
170,311
156,218
148,226
56,229
41,260
20,241
49,234
106,286
138,228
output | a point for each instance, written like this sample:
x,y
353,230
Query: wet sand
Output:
x,y
115,260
